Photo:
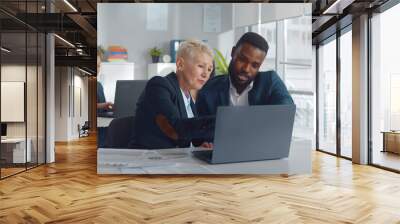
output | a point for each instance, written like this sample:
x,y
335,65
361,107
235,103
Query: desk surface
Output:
x,y
181,161
13,140
390,132
104,121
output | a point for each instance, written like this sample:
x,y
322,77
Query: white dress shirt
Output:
x,y
186,101
239,99
189,112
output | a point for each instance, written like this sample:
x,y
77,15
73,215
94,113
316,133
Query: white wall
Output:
x,y
61,103
15,72
194,28
81,83
33,126
125,24
69,85
110,72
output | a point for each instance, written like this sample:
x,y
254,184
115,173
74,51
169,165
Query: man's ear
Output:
x,y
179,63
233,51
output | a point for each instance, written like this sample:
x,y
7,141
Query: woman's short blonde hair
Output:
x,y
192,47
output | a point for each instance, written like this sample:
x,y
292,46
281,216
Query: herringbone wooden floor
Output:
x,y
70,191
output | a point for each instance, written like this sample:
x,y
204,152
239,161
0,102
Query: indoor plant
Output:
x,y
155,54
221,65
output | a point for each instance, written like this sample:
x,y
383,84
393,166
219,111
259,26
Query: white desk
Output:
x,y
104,121
16,147
181,161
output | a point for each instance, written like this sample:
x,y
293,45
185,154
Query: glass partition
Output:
x,y
22,91
14,152
327,97
346,94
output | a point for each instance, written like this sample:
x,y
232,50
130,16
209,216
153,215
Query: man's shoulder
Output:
x,y
267,78
271,74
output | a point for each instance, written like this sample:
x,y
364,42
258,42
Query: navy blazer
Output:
x,y
162,95
267,89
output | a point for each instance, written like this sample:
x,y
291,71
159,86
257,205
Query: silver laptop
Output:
x,y
250,133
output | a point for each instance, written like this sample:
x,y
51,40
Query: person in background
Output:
x,y
102,106
166,116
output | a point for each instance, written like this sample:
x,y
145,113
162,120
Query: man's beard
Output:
x,y
235,79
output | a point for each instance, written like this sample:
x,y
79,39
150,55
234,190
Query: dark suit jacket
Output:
x,y
267,89
162,95
100,97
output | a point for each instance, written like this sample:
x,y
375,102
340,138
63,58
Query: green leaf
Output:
x,y
155,51
220,62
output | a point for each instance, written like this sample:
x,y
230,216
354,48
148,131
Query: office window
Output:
x,y
346,94
290,55
268,31
327,97
385,87
296,65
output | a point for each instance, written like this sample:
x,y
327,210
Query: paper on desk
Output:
x,y
145,158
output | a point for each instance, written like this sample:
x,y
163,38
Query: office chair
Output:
x,y
119,132
84,130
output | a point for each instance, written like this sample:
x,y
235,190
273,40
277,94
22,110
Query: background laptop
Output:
x,y
127,93
250,133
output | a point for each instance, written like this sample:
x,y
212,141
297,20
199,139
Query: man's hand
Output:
x,y
207,145
105,106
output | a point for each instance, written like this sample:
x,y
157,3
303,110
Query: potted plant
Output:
x,y
155,54
221,65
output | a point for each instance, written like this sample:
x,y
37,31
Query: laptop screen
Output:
x,y
127,94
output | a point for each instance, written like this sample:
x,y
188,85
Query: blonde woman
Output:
x,y
169,98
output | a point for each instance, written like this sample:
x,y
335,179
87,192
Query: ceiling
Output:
x,y
77,23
